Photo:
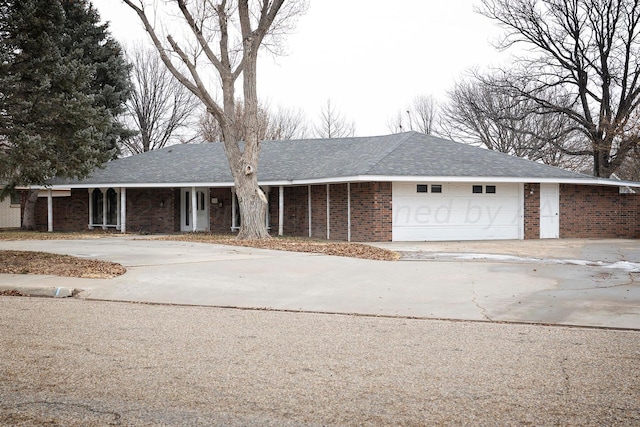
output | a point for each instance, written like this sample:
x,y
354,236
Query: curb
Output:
x,y
41,291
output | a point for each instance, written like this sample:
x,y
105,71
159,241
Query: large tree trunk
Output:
x,y
251,198
253,208
29,215
242,157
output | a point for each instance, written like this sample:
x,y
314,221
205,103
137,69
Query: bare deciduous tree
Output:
x,y
397,123
287,123
333,124
160,108
282,124
419,116
422,114
630,169
222,38
585,54
480,114
212,131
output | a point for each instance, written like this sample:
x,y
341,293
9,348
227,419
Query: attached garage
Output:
x,y
430,211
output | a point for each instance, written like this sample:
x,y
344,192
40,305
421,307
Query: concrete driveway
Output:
x,y
566,282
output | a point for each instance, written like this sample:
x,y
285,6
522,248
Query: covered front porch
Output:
x,y
340,211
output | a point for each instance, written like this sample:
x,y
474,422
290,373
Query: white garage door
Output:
x,y
457,211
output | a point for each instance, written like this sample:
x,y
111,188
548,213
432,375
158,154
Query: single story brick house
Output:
x,y
401,187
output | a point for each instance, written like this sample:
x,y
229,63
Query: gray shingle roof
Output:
x,y
409,154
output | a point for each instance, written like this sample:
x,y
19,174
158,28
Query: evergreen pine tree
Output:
x,y
63,80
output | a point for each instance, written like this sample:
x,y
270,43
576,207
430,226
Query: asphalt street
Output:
x,y
539,333
71,362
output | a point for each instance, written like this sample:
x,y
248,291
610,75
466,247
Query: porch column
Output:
x,y
123,210
281,210
194,209
118,210
348,211
49,210
266,191
309,208
234,208
328,213
90,209
104,208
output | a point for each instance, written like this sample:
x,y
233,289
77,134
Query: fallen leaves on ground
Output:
x,y
12,293
39,235
293,244
27,262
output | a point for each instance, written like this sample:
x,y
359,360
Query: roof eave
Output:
x,y
519,180
356,178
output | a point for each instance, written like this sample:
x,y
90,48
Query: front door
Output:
x,y
199,221
549,211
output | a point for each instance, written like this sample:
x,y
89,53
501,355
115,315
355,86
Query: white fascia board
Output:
x,y
577,181
138,185
360,178
515,180
518,180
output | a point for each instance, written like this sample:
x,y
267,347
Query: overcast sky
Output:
x,y
370,57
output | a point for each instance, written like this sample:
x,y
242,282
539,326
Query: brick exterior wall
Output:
x,y
585,211
149,210
371,212
153,210
338,212
598,212
371,217
532,211
220,213
318,211
69,213
296,213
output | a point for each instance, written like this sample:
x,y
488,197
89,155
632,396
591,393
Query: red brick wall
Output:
x,y
69,213
149,210
153,210
338,212
532,211
598,212
318,211
220,216
296,214
371,212
371,218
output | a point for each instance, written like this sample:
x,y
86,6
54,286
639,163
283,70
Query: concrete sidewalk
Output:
x,y
533,285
